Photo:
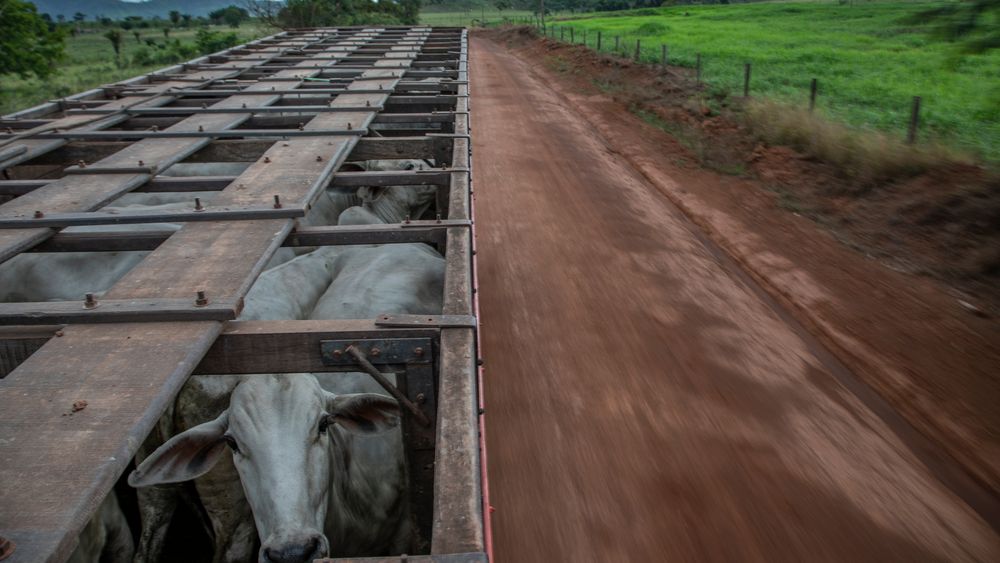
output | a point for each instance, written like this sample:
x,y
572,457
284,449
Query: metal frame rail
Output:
x,y
296,106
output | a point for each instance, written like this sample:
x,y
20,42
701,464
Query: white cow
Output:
x,y
318,468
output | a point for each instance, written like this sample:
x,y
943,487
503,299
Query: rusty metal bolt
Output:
x,y
349,127
406,219
201,129
141,163
200,299
277,202
479,362
244,105
338,353
59,333
368,103
81,164
421,399
302,126
39,215
438,217
267,160
418,352
319,158
197,204
7,547
155,128
89,301
374,352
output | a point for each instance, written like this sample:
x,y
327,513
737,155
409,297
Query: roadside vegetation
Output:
x,y
96,52
870,60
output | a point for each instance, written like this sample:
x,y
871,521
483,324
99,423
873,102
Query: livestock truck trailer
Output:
x,y
188,226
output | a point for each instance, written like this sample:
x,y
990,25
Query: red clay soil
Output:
x,y
678,369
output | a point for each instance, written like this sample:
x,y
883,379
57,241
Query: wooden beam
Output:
x,y
129,241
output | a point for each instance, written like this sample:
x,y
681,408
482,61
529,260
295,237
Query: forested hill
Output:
x,y
117,9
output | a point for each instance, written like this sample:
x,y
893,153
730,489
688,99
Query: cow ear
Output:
x,y
186,456
363,413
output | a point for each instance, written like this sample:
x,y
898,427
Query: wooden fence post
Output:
x,y
663,55
616,44
812,94
636,50
697,68
572,35
746,80
584,38
562,33
598,41
911,135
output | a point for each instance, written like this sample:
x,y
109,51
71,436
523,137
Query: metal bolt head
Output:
x,y
319,158
267,160
141,163
200,299
374,352
197,204
349,127
39,215
89,301
421,399
338,353
418,352
277,202
81,164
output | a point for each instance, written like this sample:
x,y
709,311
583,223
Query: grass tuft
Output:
x,y
866,156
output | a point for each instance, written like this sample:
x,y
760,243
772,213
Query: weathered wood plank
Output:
x,y
458,507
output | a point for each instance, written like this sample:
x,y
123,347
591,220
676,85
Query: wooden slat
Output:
x,y
128,373
86,192
458,521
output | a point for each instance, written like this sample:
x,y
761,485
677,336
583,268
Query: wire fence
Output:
x,y
718,76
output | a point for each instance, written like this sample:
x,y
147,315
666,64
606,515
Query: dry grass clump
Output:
x,y
864,156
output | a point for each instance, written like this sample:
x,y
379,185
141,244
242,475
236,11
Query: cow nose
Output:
x,y
301,551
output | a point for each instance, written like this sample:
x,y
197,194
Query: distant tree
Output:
x,y
175,17
138,37
186,19
973,24
230,15
61,18
27,45
115,36
502,5
166,33
79,17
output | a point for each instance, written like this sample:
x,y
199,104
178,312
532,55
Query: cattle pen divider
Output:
x,y
295,106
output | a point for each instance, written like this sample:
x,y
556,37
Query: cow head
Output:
x,y
286,435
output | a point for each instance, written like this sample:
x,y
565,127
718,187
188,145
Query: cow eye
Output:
x,y
231,442
324,423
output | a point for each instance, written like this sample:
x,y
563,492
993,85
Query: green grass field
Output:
x,y
90,62
869,64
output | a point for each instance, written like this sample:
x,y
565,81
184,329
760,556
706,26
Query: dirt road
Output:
x,y
646,402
